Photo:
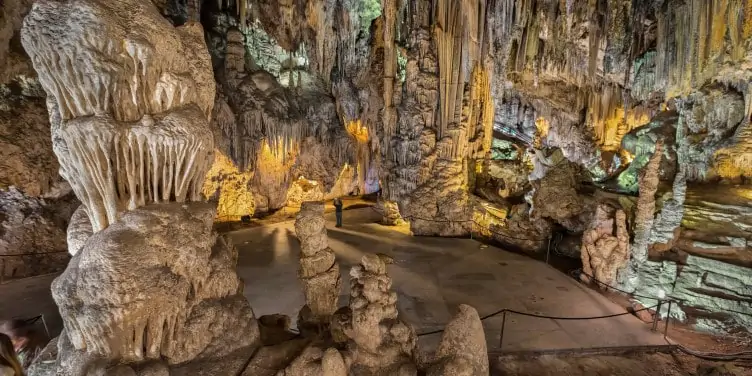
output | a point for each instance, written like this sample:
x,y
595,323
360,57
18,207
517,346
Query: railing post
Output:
x,y
668,317
657,316
503,322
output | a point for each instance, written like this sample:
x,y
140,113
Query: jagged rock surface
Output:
x,y
717,293
381,344
32,233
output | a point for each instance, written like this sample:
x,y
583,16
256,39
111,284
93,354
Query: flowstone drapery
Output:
x,y
128,107
129,98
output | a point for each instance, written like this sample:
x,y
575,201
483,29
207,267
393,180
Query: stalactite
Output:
x,y
389,113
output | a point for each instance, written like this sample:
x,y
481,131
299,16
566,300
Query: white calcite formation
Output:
x,y
157,285
319,271
79,230
380,343
128,107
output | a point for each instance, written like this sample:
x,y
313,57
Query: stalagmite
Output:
x,y
462,350
644,218
319,270
605,253
381,344
129,97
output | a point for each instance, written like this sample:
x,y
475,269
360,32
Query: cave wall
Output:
x,y
35,203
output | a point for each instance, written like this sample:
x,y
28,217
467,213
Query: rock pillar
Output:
x,y
319,271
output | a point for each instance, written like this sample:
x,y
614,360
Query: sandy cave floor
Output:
x,y
432,276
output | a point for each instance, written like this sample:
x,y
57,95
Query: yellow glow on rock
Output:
x,y
626,156
359,131
542,126
611,130
233,186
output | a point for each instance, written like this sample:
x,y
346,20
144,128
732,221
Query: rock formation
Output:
x,y
605,245
390,214
153,129
319,270
178,300
32,235
462,350
644,217
152,282
380,343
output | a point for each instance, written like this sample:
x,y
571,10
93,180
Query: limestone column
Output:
x,y
319,271
644,217
381,344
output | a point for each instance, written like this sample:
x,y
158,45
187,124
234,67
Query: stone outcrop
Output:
x,y
716,293
32,233
555,196
319,270
26,158
462,350
380,343
605,245
178,297
390,214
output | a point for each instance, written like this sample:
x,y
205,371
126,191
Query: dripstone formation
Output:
x,y
319,271
619,129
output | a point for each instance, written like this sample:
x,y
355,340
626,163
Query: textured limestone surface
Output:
x,y
32,233
605,245
26,158
380,343
319,271
135,131
157,285
716,294
462,350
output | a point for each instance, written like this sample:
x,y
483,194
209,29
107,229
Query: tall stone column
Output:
x,y
129,98
319,271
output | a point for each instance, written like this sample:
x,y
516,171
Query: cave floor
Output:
x,y
433,275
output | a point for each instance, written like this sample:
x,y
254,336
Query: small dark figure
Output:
x,y
245,219
338,211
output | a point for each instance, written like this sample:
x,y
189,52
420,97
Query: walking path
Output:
x,y
433,275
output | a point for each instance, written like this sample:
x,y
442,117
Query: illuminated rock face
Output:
x,y
720,291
